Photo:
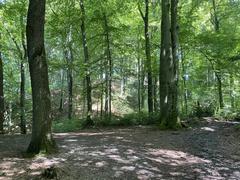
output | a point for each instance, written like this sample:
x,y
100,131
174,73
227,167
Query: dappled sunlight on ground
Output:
x,y
132,153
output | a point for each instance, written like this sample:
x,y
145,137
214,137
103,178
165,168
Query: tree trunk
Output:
x,y
62,91
185,91
219,85
70,88
165,59
69,58
148,57
232,92
41,139
174,119
1,93
22,84
139,77
218,74
145,18
87,64
169,66
109,62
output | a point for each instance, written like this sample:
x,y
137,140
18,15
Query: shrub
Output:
x,y
66,125
203,110
228,113
132,119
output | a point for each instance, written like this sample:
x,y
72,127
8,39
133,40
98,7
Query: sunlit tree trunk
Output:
x,y
41,139
232,91
69,58
139,77
169,66
1,93
175,54
218,73
184,78
145,18
87,64
109,65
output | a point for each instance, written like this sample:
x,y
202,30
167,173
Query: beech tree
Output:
x,y
86,61
42,139
145,17
169,66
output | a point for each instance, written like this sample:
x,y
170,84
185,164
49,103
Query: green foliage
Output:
x,y
66,125
203,110
142,118
237,127
227,113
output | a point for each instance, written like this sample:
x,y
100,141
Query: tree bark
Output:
x,y
62,91
145,18
169,66
185,90
42,139
1,94
69,58
232,92
109,65
22,83
87,64
174,118
139,76
219,86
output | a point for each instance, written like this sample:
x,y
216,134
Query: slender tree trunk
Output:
x,y
102,89
185,91
219,86
62,91
106,90
216,20
148,57
155,99
218,74
1,93
70,90
22,84
232,91
143,96
69,59
139,78
110,65
87,64
22,100
145,18
42,139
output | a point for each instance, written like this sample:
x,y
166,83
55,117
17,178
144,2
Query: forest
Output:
x,y
119,89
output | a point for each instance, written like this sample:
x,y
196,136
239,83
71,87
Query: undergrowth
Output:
x,y
133,119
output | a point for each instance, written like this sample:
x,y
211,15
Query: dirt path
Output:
x,y
209,151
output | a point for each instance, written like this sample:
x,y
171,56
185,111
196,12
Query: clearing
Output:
x,y
209,150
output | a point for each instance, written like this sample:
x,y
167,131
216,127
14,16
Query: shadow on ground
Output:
x,y
209,151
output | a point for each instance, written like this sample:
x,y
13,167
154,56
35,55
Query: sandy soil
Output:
x,y
210,150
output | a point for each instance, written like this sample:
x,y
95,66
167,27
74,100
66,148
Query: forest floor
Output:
x,y
209,150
